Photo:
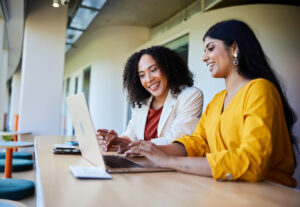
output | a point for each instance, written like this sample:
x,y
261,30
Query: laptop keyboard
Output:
x,y
115,161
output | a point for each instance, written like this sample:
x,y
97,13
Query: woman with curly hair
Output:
x,y
165,105
245,132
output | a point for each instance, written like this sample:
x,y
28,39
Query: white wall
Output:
x,y
14,28
3,72
42,68
106,51
15,98
3,92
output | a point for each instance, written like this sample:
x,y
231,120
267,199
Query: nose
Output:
x,y
149,77
205,57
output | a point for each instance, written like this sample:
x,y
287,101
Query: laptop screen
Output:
x,y
84,129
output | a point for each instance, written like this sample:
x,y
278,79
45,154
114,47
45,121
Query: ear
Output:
x,y
234,49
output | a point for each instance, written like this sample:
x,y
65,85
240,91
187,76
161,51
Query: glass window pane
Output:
x,y
83,18
98,4
181,46
72,35
67,47
86,83
177,43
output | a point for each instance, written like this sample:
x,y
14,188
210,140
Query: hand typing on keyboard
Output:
x,y
154,153
109,141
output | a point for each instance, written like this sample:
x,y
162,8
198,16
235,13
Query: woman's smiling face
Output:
x,y
217,57
152,78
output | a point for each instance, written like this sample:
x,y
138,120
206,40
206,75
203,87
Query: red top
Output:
x,y
152,124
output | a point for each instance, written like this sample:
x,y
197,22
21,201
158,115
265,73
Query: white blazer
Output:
x,y
179,116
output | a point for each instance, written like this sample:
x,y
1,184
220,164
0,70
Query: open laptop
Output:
x,y
90,150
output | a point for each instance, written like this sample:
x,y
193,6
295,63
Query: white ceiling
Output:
x,y
134,12
150,13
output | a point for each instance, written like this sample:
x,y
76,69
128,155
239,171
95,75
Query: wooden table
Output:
x,y
56,186
9,146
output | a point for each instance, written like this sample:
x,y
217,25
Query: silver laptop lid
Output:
x,y
84,129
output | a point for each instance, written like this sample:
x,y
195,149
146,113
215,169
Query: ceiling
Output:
x,y
226,3
147,13
150,13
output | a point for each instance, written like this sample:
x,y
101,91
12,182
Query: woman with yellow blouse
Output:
x,y
245,132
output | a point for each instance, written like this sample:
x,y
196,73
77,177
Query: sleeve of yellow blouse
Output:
x,y
196,143
250,161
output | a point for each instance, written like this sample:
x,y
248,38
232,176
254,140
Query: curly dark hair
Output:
x,y
170,63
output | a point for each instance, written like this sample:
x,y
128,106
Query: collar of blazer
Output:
x,y
167,109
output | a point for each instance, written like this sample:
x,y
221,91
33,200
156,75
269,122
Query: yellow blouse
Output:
x,y
249,140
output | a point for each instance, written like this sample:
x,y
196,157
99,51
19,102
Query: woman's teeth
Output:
x,y
154,86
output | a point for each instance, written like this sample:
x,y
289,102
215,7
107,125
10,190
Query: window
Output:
x,y
76,83
6,117
86,83
84,15
181,46
66,93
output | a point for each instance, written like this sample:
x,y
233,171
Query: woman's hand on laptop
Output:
x,y
120,142
103,135
109,141
150,151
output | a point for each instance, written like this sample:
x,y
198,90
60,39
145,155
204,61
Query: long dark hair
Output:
x,y
253,63
170,63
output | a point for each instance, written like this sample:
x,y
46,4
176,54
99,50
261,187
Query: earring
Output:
x,y
235,60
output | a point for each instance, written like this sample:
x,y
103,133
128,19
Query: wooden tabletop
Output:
x,y
56,186
11,133
15,144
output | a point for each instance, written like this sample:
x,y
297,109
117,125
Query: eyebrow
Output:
x,y
208,44
150,66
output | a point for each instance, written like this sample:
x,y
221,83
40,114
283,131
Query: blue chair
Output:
x,y
18,155
16,189
17,165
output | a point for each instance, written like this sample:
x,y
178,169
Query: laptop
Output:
x,y
89,147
